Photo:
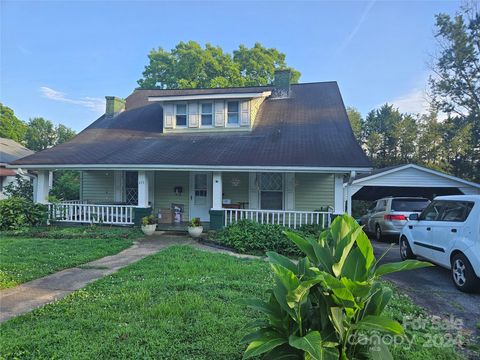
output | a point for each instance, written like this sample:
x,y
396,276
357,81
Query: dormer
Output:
x,y
215,111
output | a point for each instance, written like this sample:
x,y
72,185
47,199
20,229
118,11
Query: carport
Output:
x,y
405,180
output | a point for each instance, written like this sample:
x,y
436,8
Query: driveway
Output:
x,y
432,288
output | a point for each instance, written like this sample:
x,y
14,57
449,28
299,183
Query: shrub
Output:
x,y
21,187
18,212
326,305
250,237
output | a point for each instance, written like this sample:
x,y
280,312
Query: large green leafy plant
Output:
x,y
322,306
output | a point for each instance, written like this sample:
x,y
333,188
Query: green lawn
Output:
x,y
35,253
178,304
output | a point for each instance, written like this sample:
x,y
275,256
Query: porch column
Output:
x,y
143,189
349,199
217,191
42,187
338,190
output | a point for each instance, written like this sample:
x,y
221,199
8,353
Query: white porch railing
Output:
x,y
287,218
71,202
91,213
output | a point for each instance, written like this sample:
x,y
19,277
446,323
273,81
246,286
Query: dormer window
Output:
x,y
207,114
232,112
181,115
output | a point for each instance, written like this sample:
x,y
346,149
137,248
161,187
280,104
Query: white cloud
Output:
x,y
94,104
357,27
414,102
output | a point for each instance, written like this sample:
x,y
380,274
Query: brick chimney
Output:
x,y
281,83
115,105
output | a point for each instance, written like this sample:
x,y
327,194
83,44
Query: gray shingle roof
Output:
x,y
308,129
11,150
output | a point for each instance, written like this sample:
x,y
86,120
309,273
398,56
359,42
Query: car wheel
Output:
x,y
405,249
378,233
463,275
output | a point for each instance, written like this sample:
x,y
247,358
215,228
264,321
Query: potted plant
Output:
x,y
195,228
149,224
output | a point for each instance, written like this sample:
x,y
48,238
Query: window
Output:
x,y
456,211
131,187
207,114
431,211
271,191
181,115
409,205
381,205
232,112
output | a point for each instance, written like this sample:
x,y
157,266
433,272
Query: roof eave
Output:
x,y
225,168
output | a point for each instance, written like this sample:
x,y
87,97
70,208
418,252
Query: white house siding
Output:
x,y
313,191
254,107
165,182
235,187
97,187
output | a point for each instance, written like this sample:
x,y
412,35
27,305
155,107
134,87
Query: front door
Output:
x,y
200,195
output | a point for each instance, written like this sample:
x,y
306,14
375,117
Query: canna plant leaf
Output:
x,y
389,268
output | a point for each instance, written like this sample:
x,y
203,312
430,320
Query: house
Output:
x,y
276,154
10,151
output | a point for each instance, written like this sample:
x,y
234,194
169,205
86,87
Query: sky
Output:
x,y
59,59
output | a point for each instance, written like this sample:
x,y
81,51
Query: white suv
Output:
x,y
447,233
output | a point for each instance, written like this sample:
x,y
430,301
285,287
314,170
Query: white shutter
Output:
x,y
168,116
245,113
219,113
289,191
193,114
253,191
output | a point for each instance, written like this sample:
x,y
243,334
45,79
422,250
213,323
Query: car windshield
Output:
x,y
409,204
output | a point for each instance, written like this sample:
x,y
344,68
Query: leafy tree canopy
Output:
x,y
455,87
355,122
40,134
188,65
10,126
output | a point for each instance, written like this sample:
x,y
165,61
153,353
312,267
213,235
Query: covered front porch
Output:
x,y
218,198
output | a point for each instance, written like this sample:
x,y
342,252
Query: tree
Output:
x,y
10,126
66,185
431,150
380,135
455,86
63,134
258,64
188,65
356,122
405,135
40,134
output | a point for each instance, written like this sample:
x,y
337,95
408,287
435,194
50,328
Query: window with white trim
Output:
x,y
181,115
271,191
233,112
206,110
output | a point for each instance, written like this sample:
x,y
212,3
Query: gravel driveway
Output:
x,y
432,288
